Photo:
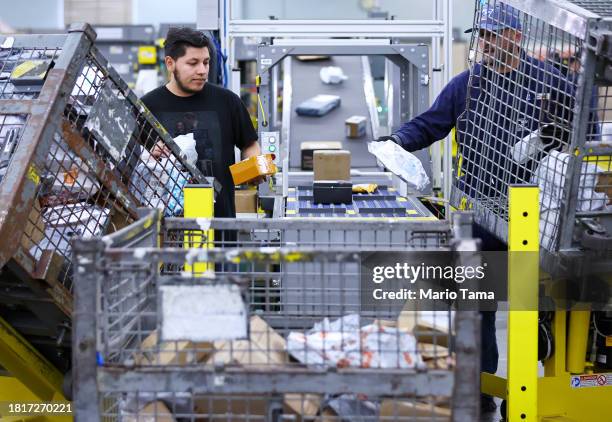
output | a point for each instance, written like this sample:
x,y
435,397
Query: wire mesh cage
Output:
x,y
537,113
262,324
79,152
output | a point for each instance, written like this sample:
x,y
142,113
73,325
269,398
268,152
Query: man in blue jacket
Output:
x,y
511,95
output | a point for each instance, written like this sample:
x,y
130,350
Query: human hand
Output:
x,y
160,150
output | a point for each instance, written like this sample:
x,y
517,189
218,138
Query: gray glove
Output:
x,y
393,138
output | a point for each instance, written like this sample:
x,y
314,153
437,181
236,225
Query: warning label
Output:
x,y
591,380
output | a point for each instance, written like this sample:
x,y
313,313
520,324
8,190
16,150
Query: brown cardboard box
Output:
x,y
155,411
423,330
153,352
355,126
307,150
404,409
246,201
265,348
604,184
332,165
34,230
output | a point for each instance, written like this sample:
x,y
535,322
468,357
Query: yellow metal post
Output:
x,y
199,203
523,267
25,363
577,338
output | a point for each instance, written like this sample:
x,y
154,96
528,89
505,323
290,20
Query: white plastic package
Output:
x,y
332,75
343,343
400,162
187,144
550,177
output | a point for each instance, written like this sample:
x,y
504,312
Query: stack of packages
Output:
x,y
342,343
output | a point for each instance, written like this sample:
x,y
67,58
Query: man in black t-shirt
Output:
x,y
216,116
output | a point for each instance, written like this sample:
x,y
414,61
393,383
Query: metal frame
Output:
x,y
411,59
438,30
91,379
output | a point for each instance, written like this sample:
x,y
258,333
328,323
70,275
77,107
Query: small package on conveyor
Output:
x,y
252,168
332,192
355,126
332,165
318,105
308,148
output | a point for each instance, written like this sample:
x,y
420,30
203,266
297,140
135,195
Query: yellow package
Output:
x,y
252,168
365,188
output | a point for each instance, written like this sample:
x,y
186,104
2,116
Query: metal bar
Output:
x,y
356,224
582,110
201,381
448,143
559,13
143,227
523,270
28,365
466,388
84,329
13,106
18,188
327,28
48,41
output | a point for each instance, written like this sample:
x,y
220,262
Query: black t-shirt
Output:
x,y
218,120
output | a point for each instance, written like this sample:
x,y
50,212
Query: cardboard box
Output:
x,y
604,184
332,165
252,168
423,329
355,126
246,200
155,411
405,409
153,352
34,230
307,150
264,349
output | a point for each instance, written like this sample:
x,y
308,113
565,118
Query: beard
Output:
x,y
182,85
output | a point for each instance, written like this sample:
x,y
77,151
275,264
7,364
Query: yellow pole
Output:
x,y
577,338
523,267
199,203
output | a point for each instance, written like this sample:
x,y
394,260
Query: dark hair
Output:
x,y
179,38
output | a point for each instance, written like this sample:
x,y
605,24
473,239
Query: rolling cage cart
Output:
x,y
263,324
538,113
75,160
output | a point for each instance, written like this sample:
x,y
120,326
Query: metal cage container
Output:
x,y
538,112
75,160
272,289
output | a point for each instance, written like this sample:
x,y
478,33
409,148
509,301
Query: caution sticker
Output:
x,y
591,380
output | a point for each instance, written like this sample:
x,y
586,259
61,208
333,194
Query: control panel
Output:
x,y
270,145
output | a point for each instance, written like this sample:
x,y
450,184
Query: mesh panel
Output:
x,y
600,7
157,407
105,158
11,128
22,71
518,126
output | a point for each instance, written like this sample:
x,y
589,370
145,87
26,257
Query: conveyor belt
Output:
x,y
306,83
384,202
